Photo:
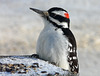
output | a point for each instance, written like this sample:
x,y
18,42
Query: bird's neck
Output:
x,y
55,24
48,25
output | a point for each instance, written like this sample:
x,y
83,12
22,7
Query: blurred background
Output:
x,y
20,27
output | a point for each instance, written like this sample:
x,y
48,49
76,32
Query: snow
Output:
x,y
44,66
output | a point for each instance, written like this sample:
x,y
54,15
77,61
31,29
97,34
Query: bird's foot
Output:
x,y
53,63
34,55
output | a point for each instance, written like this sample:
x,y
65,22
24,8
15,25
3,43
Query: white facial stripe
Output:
x,y
59,12
65,25
54,20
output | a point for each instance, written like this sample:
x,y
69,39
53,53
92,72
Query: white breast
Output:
x,y
52,46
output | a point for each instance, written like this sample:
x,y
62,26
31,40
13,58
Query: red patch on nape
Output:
x,y
66,15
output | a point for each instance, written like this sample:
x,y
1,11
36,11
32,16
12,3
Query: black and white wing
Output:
x,y
72,53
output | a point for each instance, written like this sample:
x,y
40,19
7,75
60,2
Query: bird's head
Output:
x,y
58,16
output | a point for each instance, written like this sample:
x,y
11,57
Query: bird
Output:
x,y
56,42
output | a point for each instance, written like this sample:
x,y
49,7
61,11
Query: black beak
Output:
x,y
42,13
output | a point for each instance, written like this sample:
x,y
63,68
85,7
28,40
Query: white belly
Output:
x,y
52,46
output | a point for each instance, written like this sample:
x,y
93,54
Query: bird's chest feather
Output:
x,y
52,43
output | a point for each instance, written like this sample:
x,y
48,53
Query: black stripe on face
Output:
x,y
59,18
57,26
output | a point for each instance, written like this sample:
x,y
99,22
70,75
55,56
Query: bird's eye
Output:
x,y
66,15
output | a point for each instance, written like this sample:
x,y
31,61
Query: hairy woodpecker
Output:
x,y
56,42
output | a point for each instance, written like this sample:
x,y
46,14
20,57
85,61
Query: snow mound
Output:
x,y
28,66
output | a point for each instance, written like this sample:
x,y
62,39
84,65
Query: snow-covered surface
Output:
x,y
43,66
